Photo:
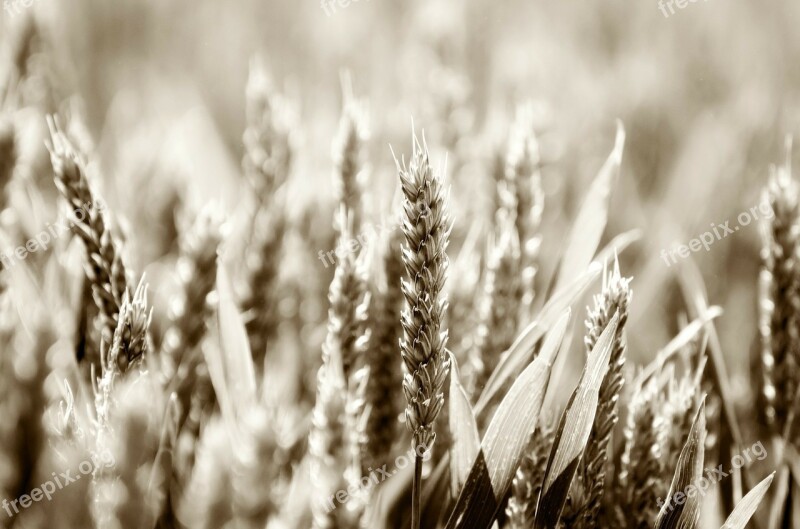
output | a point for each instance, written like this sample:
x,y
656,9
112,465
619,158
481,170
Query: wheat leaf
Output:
x,y
682,507
573,431
747,506
591,221
520,352
230,365
506,439
464,431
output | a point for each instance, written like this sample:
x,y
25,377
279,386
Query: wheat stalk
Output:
x,y
256,473
426,228
8,155
208,500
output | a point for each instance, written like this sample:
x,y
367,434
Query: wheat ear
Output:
x,y
267,140
130,344
385,368
183,368
104,266
527,484
780,301
525,200
639,481
426,228
349,161
339,390
614,298
267,163
497,326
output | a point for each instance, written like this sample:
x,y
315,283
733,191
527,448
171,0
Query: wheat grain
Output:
x,y
121,498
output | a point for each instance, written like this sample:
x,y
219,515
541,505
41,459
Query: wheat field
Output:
x,y
371,264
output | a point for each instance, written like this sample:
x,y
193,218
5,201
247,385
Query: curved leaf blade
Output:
x,y
573,431
591,221
677,513
506,438
464,431
748,505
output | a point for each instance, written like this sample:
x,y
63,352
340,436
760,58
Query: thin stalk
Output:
x,y
416,490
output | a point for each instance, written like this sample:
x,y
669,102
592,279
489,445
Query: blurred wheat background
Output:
x,y
162,99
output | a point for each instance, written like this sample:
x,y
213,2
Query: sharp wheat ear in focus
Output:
x,y
426,227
